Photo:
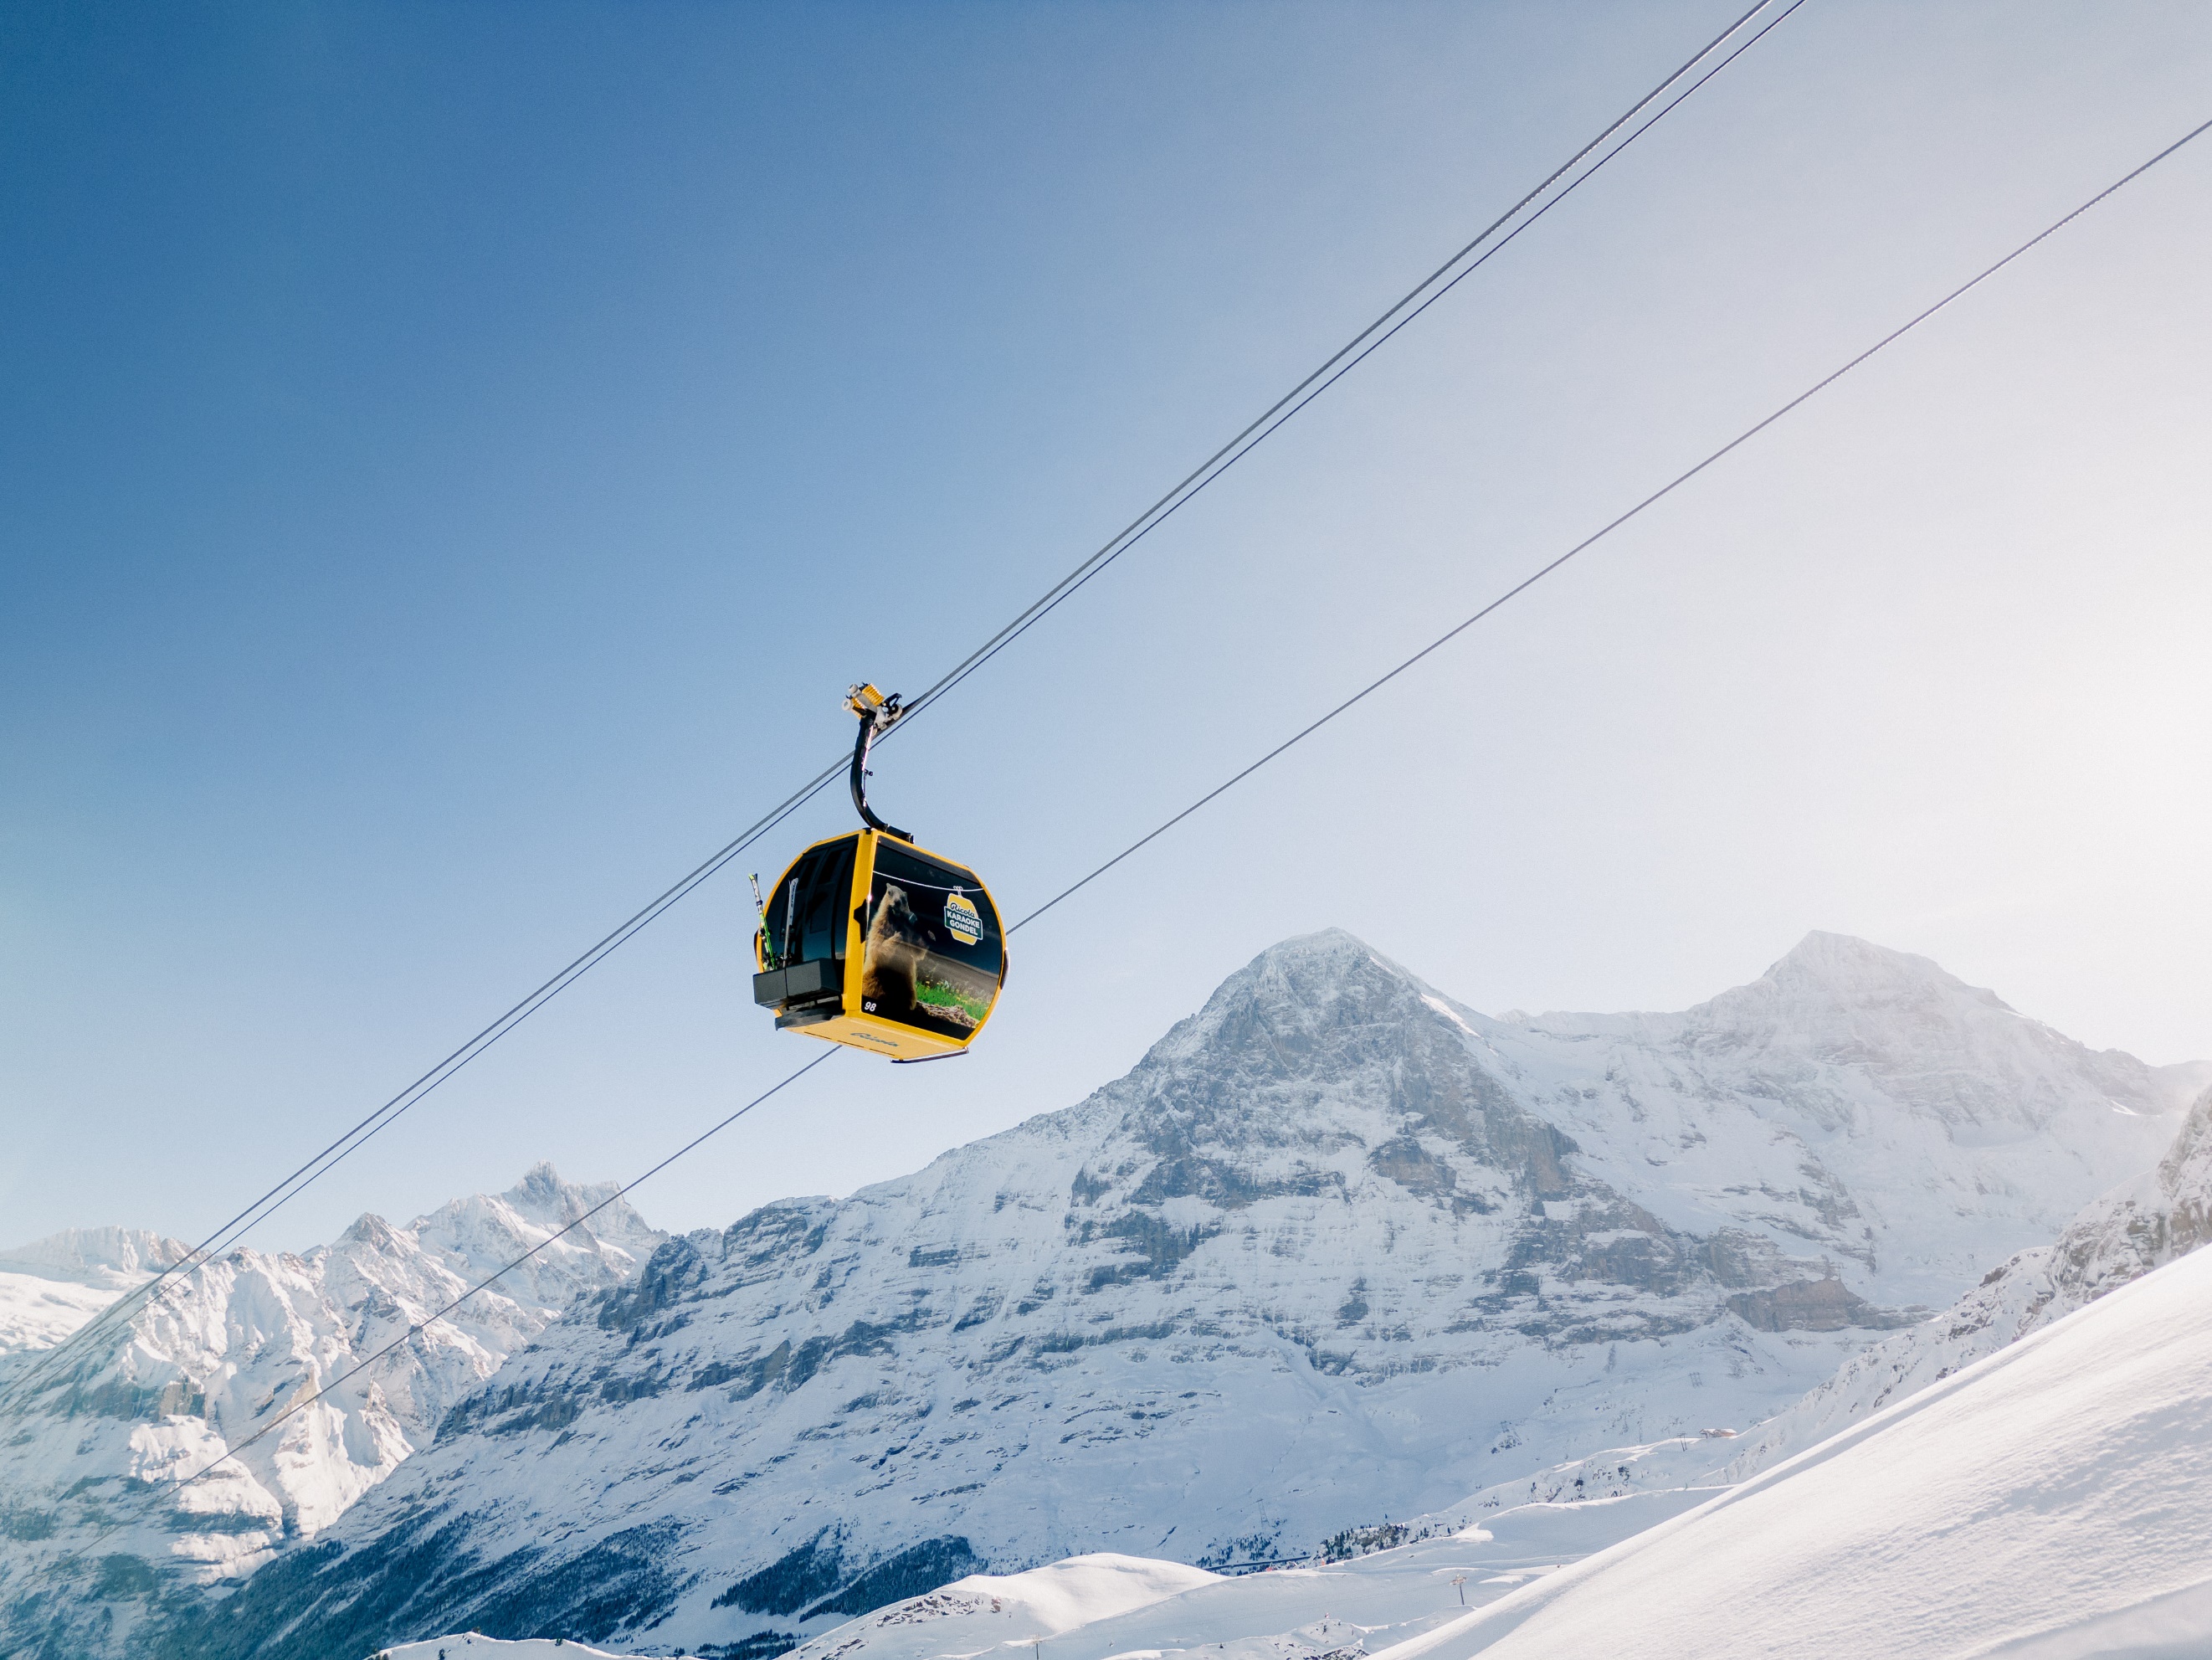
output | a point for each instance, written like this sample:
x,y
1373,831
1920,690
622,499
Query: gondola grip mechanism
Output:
x,y
878,713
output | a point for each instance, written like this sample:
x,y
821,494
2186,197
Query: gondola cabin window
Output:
x,y
806,915
933,955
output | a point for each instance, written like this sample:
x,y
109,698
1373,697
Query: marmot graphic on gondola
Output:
x,y
897,944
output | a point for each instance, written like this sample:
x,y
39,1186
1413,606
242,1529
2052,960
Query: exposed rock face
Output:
x,y
2117,1239
200,1367
1337,1249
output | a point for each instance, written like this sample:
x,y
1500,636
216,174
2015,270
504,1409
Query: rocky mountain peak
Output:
x,y
1837,986
1956,1055
475,1233
1849,968
542,1196
1294,989
1317,964
372,1232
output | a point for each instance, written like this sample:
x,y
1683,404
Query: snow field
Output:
x,y
1167,1611
474,1645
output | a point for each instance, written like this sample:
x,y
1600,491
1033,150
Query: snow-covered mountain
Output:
x,y
51,1287
1860,1101
82,1550
1390,1590
1337,1249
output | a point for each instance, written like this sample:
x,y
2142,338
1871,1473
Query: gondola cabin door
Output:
x,y
870,942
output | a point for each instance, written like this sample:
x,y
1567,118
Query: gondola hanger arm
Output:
x,y
879,713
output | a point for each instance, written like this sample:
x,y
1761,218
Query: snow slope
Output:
x,y
51,1287
167,1393
1339,1249
991,1610
2048,1500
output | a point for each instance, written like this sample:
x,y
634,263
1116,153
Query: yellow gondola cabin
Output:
x,y
870,942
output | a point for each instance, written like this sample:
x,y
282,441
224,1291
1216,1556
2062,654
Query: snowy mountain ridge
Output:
x,y
1873,1077
1338,1248
51,1287
165,1393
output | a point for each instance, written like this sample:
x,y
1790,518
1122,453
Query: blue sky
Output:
x,y
454,458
